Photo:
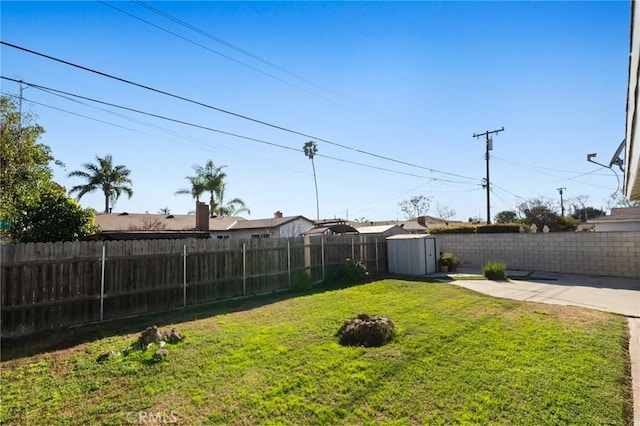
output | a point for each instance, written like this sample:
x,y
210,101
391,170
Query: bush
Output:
x,y
450,260
352,271
494,270
453,229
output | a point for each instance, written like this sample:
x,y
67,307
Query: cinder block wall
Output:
x,y
615,254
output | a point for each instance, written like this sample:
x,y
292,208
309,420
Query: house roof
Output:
x,y
626,214
273,222
160,222
409,225
378,229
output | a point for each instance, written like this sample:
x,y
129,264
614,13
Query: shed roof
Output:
x,y
410,236
378,229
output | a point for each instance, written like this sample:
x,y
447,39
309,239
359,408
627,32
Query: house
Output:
x,y
621,219
278,226
139,226
127,226
631,186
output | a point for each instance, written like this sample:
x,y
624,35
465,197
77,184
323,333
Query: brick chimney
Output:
x,y
202,216
422,220
277,214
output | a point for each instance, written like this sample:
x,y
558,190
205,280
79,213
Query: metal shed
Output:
x,y
413,254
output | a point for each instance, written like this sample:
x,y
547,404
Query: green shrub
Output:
x,y
449,259
453,229
494,270
301,281
352,271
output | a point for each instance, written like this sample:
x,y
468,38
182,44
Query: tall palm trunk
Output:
x,y
315,182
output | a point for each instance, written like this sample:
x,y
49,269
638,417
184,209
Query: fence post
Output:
x,y
184,275
353,249
322,255
377,267
244,269
307,256
289,261
102,283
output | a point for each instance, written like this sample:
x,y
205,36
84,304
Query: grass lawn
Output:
x,y
459,358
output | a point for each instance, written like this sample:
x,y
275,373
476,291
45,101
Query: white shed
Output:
x,y
413,254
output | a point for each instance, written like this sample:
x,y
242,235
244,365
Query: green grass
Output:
x,y
459,358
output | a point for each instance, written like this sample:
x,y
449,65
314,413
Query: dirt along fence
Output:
x,y
46,286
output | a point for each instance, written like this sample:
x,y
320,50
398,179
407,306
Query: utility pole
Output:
x,y
489,147
561,191
20,107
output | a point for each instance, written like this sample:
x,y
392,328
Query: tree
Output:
x,y
24,163
164,210
103,176
444,212
37,208
416,206
231,208
52,216
541,212
582,212
506,216
310,150
210,178
197,187
618,199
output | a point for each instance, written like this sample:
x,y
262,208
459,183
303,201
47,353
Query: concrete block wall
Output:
x,y
615,254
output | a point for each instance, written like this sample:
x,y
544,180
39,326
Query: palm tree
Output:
x,y
197,187
112,181
310,150
212,177
233,207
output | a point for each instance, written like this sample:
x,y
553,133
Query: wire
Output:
x,y
224,42
123,80
209,49
161,117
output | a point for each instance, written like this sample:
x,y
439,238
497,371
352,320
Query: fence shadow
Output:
x,y
65,338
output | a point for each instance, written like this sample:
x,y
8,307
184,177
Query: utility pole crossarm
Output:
x,y
488,148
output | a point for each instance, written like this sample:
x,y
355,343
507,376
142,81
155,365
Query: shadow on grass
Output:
x,y
64,338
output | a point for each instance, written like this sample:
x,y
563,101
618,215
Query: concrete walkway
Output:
x,y
616,295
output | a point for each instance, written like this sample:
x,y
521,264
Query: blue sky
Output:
x,y
408,81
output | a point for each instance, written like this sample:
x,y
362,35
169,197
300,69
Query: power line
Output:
x,y
161,117
224,42
244,117
209,49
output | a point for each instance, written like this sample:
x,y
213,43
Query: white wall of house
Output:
x,y
615,226
632,146
291,229
294,228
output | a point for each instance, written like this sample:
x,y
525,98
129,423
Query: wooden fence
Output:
x,y
46,286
